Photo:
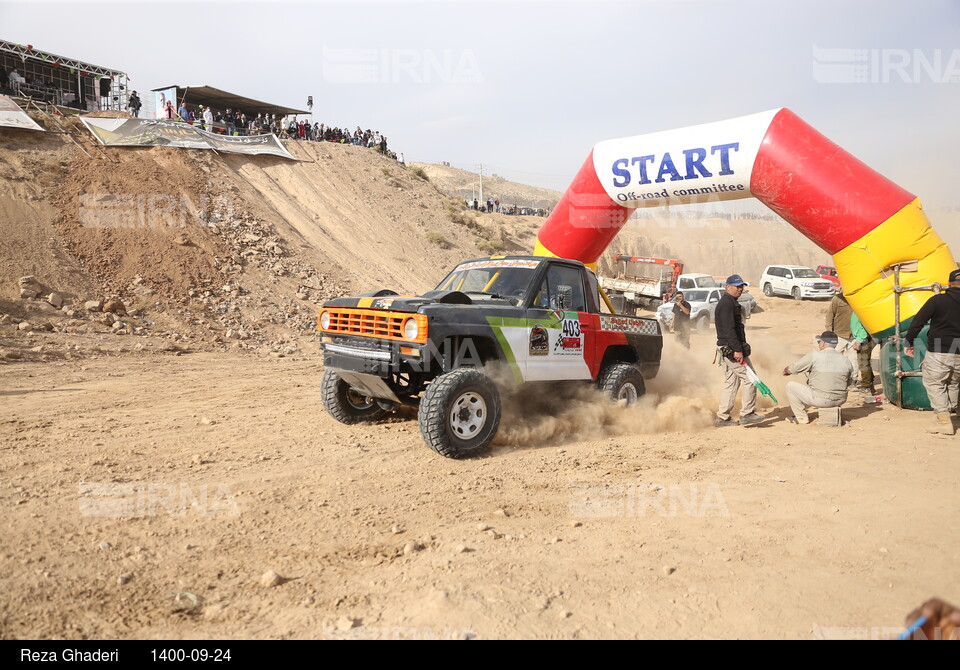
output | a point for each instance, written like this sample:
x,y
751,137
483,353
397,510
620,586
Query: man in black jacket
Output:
x,y
134,104
734,351
941,364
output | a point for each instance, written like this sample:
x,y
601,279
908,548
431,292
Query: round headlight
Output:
x,y
411,329
325,320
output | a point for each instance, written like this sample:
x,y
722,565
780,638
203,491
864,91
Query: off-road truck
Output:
x,y
491,322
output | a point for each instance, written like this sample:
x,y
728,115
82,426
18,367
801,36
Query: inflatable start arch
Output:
x,y
861,218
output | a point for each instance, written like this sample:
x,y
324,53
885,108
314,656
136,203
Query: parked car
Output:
x,y
703,307
829,273
796,281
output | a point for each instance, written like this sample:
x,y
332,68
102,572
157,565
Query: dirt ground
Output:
x,y
150,495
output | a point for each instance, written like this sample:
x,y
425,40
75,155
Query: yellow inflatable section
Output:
x,y
864,268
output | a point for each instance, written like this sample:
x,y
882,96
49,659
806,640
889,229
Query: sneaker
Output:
x,y
752,417
866,390
720,423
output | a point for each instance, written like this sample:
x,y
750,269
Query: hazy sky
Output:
x,y
527,88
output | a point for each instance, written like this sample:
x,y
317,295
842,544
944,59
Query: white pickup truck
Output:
x,y
694,280
703,307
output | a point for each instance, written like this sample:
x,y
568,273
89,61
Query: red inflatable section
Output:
x,y
827,194
585,220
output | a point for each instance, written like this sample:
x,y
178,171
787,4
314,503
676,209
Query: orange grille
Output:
x,y
373,323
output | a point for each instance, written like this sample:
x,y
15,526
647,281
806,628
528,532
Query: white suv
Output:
x,y
794,280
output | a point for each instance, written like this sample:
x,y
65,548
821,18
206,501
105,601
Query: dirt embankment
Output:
x,y
217,251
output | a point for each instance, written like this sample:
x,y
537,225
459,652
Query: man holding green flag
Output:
x,y
733,353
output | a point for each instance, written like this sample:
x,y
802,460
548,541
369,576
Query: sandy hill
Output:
x,y
465,184
203,244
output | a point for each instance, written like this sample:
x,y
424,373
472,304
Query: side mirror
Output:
x,y
714,299
564,296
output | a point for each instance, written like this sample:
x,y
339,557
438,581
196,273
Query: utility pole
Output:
x,y
482,203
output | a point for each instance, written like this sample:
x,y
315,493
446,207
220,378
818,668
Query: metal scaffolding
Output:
x,y
65,81
907,266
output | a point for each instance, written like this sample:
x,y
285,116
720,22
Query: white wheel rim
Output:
x,y
468,415
628,392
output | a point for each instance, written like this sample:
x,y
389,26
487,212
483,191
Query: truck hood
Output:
x,y
386,299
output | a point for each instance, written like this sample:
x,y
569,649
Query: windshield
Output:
x,y
695,296
507,279
805,273
707,282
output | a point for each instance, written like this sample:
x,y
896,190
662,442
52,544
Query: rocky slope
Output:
x,y
212,251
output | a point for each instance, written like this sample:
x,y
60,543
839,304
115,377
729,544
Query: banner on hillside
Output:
x,y
11,116
146,133
247,144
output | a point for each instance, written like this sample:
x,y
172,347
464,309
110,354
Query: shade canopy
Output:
x,y
221,100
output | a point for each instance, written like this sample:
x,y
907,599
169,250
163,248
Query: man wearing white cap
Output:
x,y
829,375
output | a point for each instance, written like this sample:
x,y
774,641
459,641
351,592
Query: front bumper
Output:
x,y
370,360
380,358
816,293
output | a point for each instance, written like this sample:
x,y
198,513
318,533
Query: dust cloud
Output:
x,y
681,399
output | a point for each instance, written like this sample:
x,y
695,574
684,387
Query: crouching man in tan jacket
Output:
x,y
829,375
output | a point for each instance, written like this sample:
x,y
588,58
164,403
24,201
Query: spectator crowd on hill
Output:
x,y
234,122
318,132
495,206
